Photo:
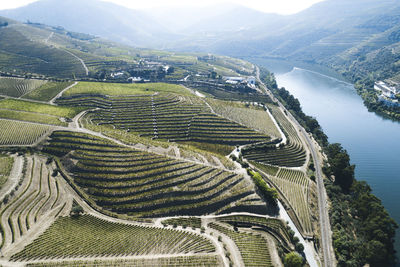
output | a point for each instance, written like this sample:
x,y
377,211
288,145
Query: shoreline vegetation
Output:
x,y
363,231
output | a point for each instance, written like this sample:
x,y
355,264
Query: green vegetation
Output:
x,y
35,199
48,91
89,236
253,247
291,154
141,184
6,164
165,117
293,259
118,89
187,261
185,222
17,87
22,105
270,194
30,57
252,117
363,232
275,227
15,133
31,117
294,187
267,169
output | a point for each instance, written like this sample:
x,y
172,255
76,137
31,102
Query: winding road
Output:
x,y
322,197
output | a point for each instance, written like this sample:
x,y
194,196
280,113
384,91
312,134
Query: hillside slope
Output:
x,y
93,17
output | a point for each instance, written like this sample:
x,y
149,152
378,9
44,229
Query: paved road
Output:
x,y
322,200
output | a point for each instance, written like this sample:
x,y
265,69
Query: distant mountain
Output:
x,y
95,17
335,33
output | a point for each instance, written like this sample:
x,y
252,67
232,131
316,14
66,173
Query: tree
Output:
x,y
76,210
293,259
340,167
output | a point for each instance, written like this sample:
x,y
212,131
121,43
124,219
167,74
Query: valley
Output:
x,y
139,141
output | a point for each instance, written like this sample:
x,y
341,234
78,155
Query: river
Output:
x,y
372,141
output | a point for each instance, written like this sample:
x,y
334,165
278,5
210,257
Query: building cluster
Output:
x,y
249,81
388,92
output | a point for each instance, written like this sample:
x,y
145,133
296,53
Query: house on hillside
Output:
x,y
387,90
250,81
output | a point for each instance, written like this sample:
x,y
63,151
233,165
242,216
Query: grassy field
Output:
x,y
21,105
6,164
89,236
31,117
114,89
47,91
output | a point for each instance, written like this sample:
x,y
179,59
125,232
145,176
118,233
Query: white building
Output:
x,y
251,81
387,91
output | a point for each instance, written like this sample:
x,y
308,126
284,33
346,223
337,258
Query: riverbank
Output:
x,y
345,119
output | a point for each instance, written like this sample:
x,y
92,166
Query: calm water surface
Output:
x,y
372,142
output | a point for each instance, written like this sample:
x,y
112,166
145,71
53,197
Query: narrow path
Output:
x,y
46,41
61,93
81,60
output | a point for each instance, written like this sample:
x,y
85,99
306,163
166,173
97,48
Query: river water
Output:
x,y
372,141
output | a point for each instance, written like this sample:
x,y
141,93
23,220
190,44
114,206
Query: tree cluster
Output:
x,y
363,231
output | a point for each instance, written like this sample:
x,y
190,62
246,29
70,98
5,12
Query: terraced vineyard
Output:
x,y
47,91
290,155
275,227
187,261
92,237
29,56
6,164
167,117
16,133
17,87
141,184
38,200
31,117
252,117
253,248
294,187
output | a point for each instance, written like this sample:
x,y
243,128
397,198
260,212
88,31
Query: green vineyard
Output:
x,y
39,199
186,261
17,87
16,133
29,56
166,117
275,227
87,236
48,91
252,247
291,154
128,181
250,116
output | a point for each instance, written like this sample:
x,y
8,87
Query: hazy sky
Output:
x,y
275,6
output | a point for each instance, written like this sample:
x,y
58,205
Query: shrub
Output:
x,y
293,259
269,193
